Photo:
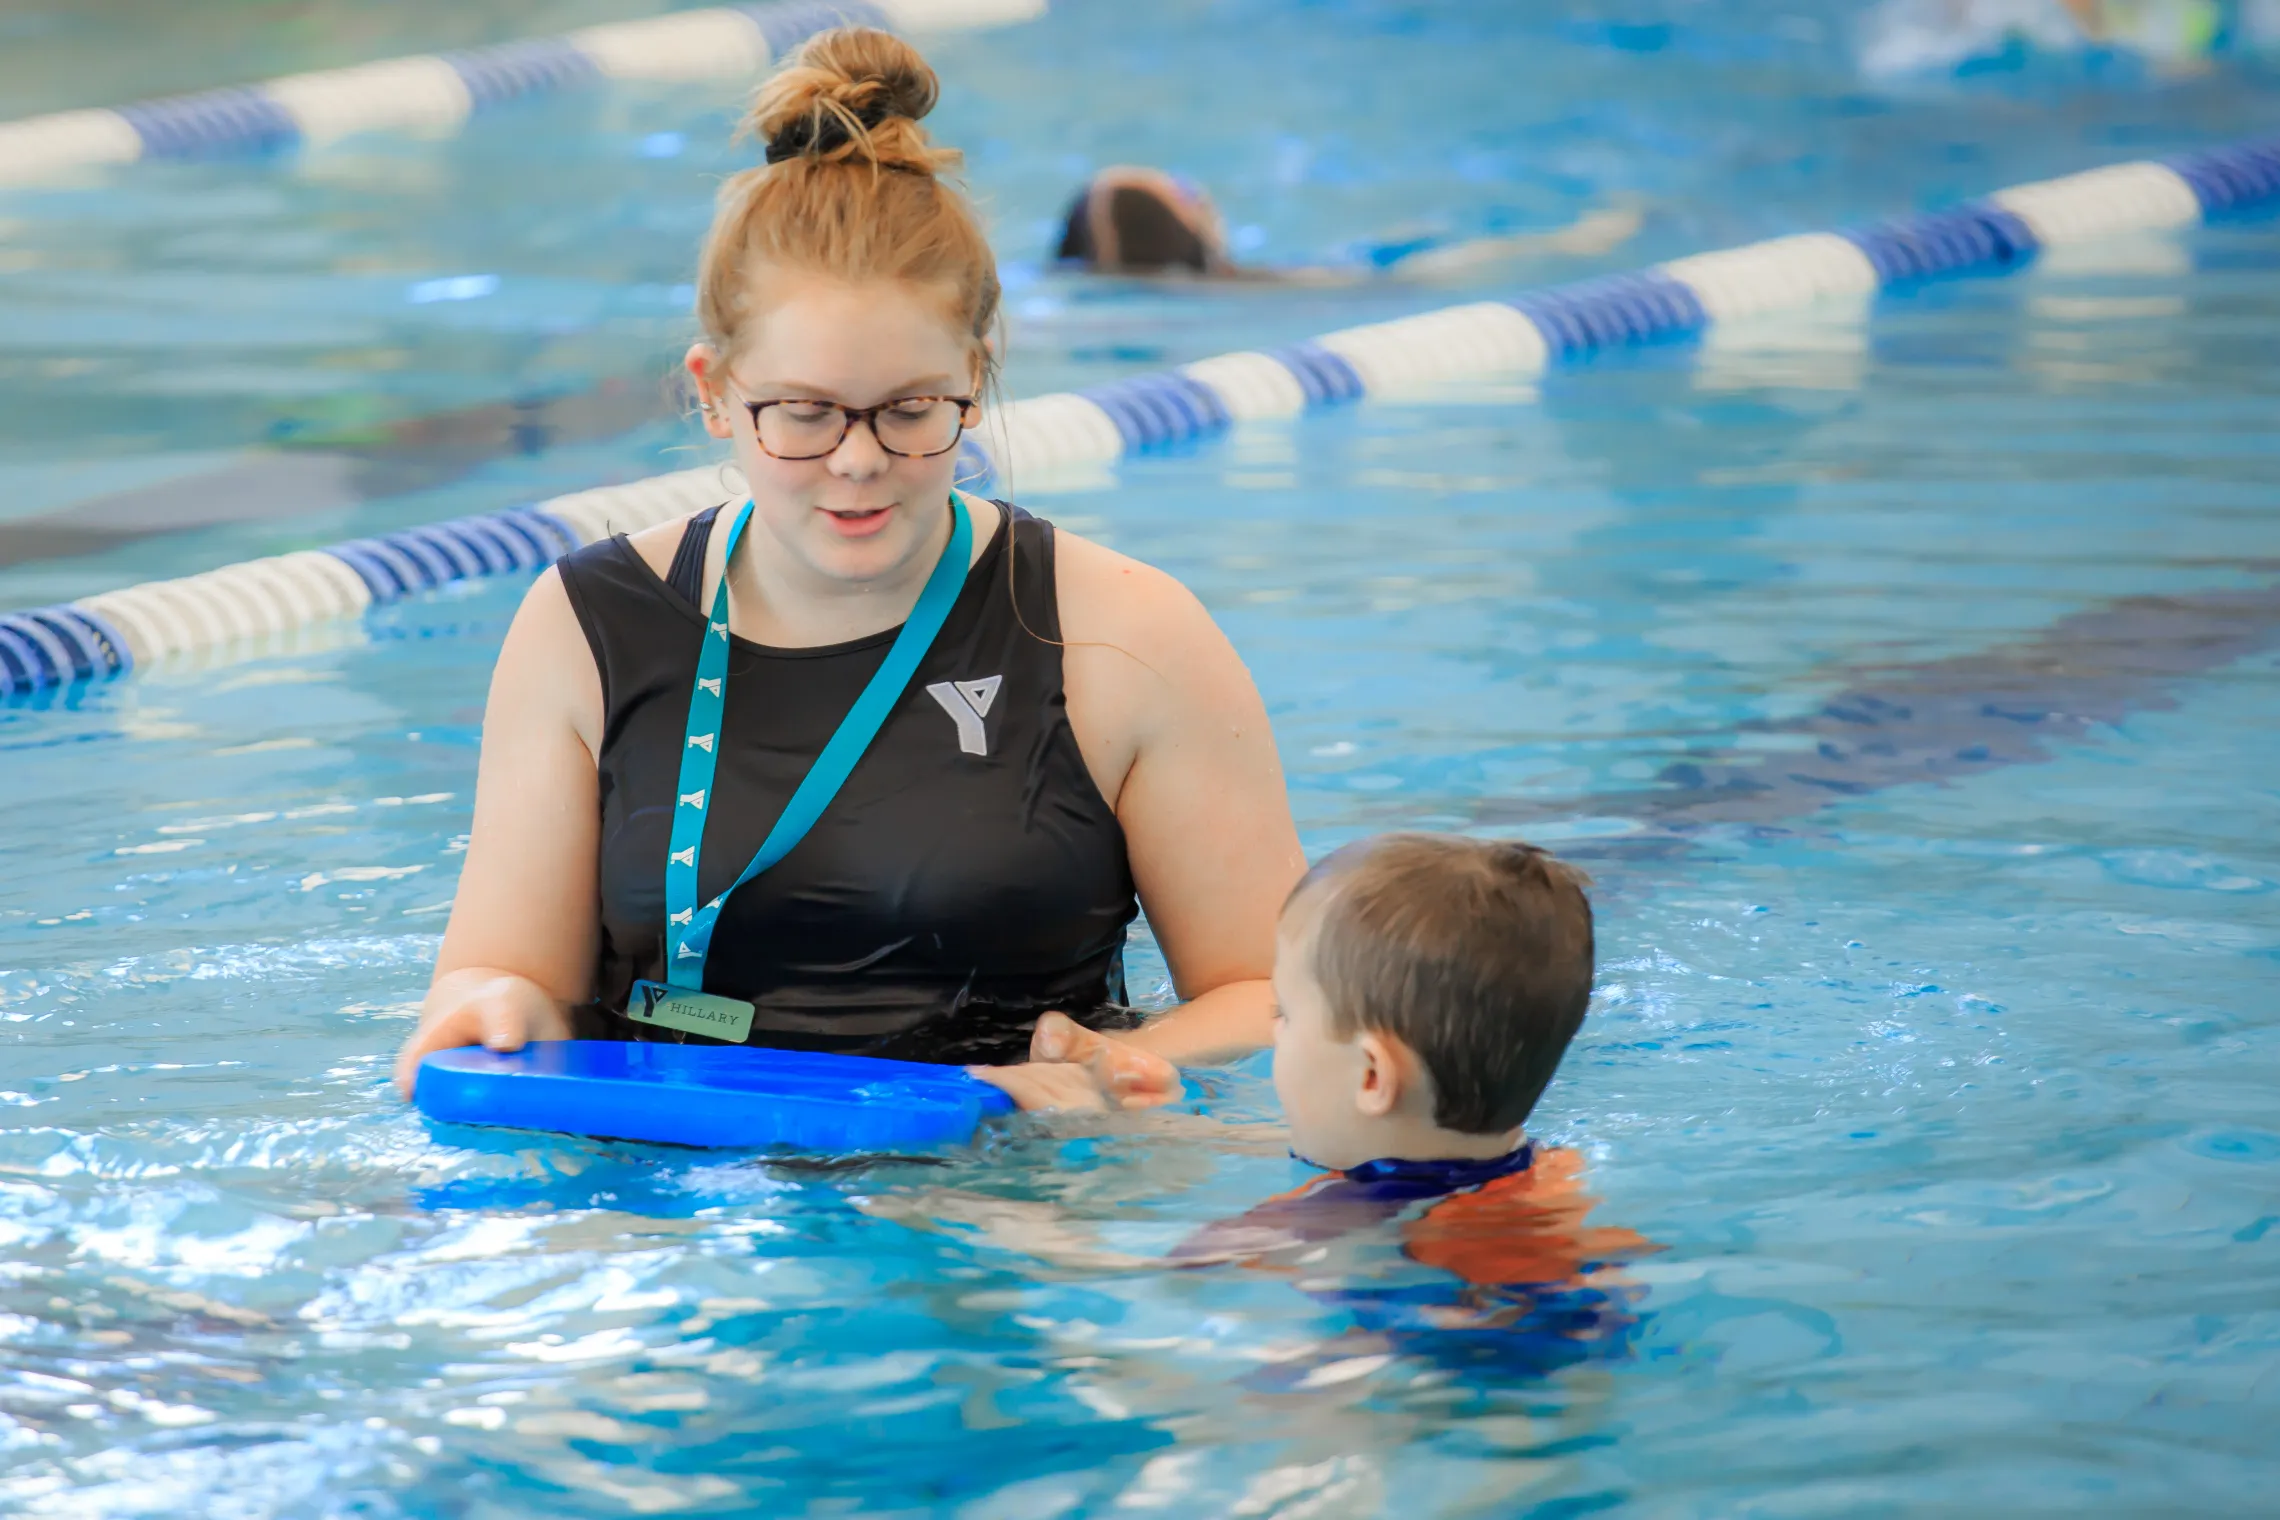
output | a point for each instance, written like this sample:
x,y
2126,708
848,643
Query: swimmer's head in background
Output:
x,y
1143,221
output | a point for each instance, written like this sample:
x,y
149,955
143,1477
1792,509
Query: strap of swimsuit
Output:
x,y
687,577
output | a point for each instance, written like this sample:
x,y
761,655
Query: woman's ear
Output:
x,y
1384,1075
703,364
980,384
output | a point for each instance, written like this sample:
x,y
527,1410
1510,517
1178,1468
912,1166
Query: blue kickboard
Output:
x,y
709,1095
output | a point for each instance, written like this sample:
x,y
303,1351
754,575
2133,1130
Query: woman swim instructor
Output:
x,y
1076,729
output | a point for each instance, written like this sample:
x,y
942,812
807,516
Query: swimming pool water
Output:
x,y
1947,1101
268,354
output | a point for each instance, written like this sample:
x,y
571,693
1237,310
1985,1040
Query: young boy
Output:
x,y
1427,986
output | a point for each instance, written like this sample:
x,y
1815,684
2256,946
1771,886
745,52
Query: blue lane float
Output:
x,y
1323,377
1978,236
510,70
1613,311
397,565
726,1096
1154,410
2230,179
50,646
110,634
211,122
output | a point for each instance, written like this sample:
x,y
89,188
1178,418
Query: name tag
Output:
x,y
718,1018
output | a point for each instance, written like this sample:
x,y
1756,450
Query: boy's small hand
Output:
x,y
1071,1066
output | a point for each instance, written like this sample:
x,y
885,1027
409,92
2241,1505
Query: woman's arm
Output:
x,y
1200,792
1175,734
519,951
1206,822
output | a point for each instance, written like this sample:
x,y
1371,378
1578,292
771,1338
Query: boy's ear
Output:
x,y
1385,1075
1393,1077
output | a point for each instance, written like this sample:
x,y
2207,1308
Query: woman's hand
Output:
x,y
1071,1066
480,1006
520,947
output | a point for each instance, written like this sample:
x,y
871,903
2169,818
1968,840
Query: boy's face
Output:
x,y
1317,1075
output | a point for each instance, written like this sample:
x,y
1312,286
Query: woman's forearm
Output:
x,y
1226,1023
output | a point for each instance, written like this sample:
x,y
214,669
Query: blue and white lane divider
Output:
x,y
439,91
107,635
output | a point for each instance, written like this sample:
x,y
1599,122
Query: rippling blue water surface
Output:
x,y
1911,689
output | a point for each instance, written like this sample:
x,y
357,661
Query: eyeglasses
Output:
x,y
909,427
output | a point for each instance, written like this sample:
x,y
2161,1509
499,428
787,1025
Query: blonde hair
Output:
x,y
853,190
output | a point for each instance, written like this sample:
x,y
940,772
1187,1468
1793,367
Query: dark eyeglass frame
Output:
x,y
868,416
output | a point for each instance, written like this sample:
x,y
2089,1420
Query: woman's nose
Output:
x,y
859,456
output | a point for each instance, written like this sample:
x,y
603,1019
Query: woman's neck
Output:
x,y
778,598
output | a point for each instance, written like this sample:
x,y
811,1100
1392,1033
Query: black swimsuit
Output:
x,y
967,878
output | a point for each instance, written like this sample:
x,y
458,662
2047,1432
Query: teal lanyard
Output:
x,y
688,927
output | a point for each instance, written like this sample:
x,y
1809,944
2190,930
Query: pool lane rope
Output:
x,y
438,91
105,636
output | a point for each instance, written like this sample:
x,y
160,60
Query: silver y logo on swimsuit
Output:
x,y
967,703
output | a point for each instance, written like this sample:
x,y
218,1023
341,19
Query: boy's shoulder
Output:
x,y
1518,1221
1524,1227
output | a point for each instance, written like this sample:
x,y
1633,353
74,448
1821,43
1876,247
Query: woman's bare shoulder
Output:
x,y
1143,659
546,671
1112,598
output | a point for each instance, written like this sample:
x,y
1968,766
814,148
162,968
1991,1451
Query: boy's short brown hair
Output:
x,y
1476,954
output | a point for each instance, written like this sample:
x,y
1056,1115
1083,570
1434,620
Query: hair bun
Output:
x,y
853,93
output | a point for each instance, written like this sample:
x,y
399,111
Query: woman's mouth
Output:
x,y
859,522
